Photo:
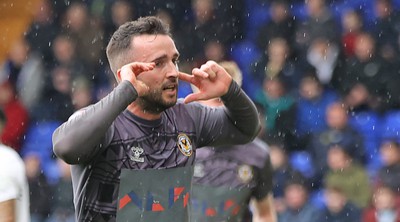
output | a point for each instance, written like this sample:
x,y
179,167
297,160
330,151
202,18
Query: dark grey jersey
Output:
x,y
230,176
238,166
103,139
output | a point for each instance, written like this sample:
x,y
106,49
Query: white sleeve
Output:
x,y
9,189
12,174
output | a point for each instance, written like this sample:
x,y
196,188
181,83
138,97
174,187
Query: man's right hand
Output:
x,y
131,71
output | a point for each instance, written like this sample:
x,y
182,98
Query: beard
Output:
x,y
154,102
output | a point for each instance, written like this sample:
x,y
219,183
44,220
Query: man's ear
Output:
x,y
118,75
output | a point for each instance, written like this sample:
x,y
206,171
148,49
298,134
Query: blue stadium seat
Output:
x,y
301,161
245,53
299,11
391,125
369,125
317,198
256,18
38,140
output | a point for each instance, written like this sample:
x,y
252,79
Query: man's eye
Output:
x,y
158,64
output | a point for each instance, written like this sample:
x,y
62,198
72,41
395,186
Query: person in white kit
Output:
x,y
14,189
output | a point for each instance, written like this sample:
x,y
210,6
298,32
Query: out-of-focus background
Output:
x,y
325,75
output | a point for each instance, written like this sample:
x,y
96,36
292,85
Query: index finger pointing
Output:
x,y
185,77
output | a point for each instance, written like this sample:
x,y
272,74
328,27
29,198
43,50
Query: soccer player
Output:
x,y
132,153
228,180
14,188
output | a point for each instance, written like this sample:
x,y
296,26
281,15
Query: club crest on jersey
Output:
x,y
245,173
185,145
135,154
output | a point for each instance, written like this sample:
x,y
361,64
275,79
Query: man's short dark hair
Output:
x,y
297,178
120,42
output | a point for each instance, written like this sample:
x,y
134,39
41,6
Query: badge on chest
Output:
x,y
184,144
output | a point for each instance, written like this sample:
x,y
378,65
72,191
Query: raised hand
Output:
x,y
211,79
131,71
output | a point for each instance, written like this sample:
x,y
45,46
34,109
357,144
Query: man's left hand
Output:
x,y
211,79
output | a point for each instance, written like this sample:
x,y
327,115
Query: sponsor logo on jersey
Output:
x,y
135,154
245,173
185,145
158,201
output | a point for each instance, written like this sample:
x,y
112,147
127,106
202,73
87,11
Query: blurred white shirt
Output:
x,y
13,182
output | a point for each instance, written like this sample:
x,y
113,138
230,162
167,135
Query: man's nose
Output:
x,y
173,70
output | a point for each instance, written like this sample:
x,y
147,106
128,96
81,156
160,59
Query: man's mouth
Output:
x,y
171,87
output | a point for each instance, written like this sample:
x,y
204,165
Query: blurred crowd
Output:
x,y
325,75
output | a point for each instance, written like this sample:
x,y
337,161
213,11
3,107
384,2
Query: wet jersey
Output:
x,y
103,139
220,171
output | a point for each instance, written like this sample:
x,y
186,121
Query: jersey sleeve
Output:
x,y
241,111
79,139
235,123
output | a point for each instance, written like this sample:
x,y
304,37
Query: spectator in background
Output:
x,y
180,9
56,105
384,206
232,17
14,188
17,117
41,193
25,71
338,207
347,175
312,104
278,62
279,109
65,54
337,132
82,93
298,205
282,172
89,40
213,50
386,29
327,58
119,12
206,25
359,99
389,173
371,71
43,31
319,23
63,203
352,24
280,25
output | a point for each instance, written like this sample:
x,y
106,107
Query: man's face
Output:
x,y
163,79
295,196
